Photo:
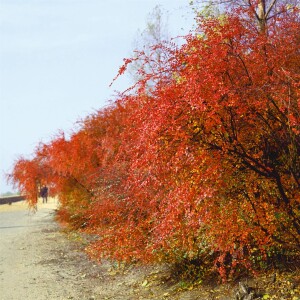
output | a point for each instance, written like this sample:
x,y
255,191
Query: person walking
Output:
x,y
44,193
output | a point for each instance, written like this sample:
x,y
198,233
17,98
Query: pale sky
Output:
x,y
57,59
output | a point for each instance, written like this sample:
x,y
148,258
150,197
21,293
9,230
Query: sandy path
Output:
x,y
17,276
31,253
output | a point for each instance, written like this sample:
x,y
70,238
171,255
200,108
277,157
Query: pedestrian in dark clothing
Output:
x,y
44,194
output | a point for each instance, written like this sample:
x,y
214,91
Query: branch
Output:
x,y
270,8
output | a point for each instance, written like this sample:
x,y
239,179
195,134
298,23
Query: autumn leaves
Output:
x,y
203,162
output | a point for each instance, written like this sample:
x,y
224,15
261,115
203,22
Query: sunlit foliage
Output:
x,y
203,166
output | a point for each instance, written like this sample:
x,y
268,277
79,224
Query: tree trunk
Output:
x,y
262,15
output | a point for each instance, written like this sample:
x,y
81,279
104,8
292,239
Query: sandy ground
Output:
x,y
39,260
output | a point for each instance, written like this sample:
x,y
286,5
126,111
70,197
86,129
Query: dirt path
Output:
x,y
25,249
35,260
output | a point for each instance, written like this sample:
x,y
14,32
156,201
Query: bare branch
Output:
x,y
270,8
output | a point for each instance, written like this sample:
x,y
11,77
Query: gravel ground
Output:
x,y
36,259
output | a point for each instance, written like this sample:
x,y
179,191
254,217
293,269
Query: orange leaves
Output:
x,y
203,159
28,177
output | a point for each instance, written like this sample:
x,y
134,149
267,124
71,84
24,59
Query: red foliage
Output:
x,y
27,176
205,161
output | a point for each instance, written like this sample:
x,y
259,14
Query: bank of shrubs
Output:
x,y
198,163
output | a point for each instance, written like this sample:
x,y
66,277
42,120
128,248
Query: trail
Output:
x,y
30,266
